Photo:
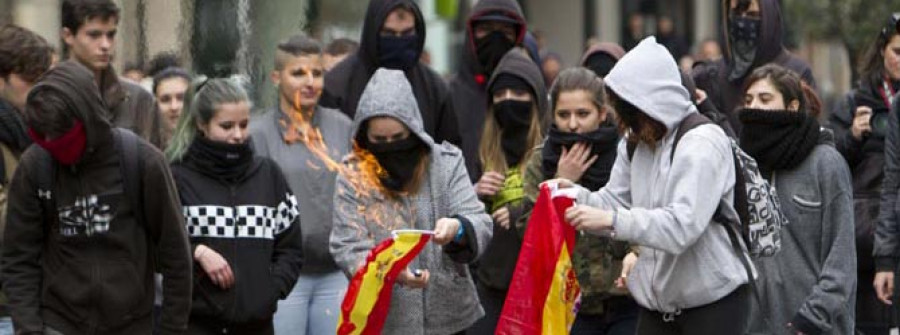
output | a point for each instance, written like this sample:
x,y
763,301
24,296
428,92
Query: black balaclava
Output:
x,y
744,37
490,49
513,117
398,52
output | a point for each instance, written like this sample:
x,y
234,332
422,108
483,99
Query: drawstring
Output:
x,y
669,317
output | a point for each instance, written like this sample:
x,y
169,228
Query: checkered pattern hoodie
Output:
x,y
254,223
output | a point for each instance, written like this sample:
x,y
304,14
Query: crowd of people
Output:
x,y
713,197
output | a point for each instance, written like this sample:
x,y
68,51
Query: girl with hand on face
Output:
x,y
517,101
241,217
581,147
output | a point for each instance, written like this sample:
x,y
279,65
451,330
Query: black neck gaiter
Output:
x,y
778,139
603,142
514,118
221,160
399,159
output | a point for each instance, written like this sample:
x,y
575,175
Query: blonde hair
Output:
x,y
491,153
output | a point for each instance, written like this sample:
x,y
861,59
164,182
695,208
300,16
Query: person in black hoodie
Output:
x,y
241,216
493,28
515,123
79,257
753,31
393,37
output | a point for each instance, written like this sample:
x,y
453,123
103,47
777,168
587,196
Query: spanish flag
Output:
x,y
544,290
368,297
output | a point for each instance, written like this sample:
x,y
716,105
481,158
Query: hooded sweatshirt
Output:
x,y
132,107
727,94
686,259
811,283
252,221
78,282
309,178
495,269
363,219
344,84
469,85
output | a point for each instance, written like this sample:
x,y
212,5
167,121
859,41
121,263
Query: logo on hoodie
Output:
x,y
85,218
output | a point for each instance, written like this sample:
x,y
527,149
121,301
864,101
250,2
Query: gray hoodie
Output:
x,y
363,219
686,260
812,281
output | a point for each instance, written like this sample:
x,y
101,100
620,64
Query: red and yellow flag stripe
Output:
x,y
368,297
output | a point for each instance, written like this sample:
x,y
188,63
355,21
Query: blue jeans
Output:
x,y
313,307
6,326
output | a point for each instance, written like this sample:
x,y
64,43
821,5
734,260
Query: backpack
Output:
x,y
755,200
131,166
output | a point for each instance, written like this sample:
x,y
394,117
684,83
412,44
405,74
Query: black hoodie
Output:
x,y
344,84
712,77
253,221
469,85
75,282
496,265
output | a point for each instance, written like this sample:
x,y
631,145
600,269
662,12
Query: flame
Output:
x,y
363,176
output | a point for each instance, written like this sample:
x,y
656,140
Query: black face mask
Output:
x,y
490,49
398,52
399,159
778,140
514,118
744,36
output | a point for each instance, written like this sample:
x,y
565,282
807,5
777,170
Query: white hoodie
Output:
x,y
686,259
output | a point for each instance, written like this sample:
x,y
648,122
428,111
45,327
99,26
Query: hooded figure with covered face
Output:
x,y
423,185
753,31
688,278
393,37
78,257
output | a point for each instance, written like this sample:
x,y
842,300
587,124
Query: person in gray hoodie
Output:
x,y
688,279
425,187
809,287
314,304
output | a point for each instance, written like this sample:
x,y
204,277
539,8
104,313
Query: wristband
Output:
x,y
459,233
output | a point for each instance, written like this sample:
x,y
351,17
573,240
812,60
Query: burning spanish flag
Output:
x,y
368,297
544,289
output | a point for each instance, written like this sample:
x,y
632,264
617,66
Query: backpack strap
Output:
x,y
693,120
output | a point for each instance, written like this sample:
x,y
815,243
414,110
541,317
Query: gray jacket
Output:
x,y
686,260
364,218
887,233
310,179
812,280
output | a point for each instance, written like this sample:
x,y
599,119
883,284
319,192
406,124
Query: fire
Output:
x,y
364,176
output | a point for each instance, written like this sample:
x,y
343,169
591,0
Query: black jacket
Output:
x,y
726,94
469,85
344,84
254,223
887,233
77,282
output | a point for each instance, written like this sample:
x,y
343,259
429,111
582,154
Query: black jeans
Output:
x,y
729,315
619,318
210,326
492,301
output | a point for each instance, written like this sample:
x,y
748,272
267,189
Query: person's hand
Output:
x,y
445,230
590,219
501,217
700,95
561,183
794,331
627,264
884,286
409,279
575,161
861,125
490,183
215,266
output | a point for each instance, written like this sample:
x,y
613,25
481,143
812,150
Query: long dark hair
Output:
x,y
871,64
639,126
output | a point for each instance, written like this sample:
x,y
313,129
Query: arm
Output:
x,y
840,121
887,231
287,257
349,241
173,252
22,250
837,279
465,206
697,179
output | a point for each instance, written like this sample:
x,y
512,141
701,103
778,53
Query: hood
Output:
x,y
770,44
375,16
510,7
77,86
608,48
657,90
389,93
12,128
517,62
